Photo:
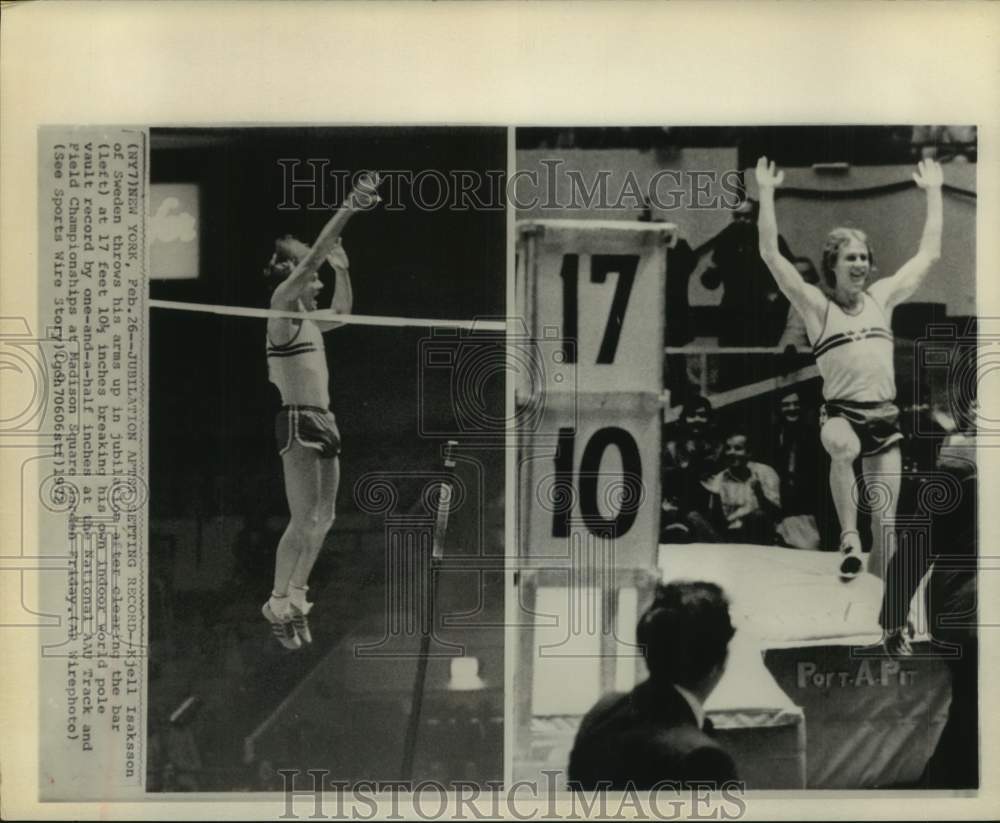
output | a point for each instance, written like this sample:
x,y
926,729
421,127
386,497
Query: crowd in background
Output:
x,y
720,484
722,481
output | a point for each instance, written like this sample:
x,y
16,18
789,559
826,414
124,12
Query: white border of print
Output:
x,y
187,63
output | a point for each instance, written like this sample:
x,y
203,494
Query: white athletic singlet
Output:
x,y
298,368
854,354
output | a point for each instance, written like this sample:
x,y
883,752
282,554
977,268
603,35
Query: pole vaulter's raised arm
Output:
x,y
808,300
363,197
894,290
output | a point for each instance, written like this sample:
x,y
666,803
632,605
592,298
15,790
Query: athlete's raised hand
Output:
x,y
338,256
768,177
928,174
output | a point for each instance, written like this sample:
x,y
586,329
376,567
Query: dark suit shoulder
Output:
x,y
643,738
679,742
645,757
685,753
612,708
710,763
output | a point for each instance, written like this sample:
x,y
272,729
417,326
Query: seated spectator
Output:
x,y
797,461
746,496
794,335
753,311
688,460
658,732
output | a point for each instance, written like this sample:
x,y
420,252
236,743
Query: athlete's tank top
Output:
x,y
854,354
298,368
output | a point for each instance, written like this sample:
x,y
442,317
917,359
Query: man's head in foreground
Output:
x,y
685,636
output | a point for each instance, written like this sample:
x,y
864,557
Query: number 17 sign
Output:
x,y
593,294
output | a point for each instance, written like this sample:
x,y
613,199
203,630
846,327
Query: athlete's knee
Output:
x,y
300,524
324,522
320,524
842,445
843,452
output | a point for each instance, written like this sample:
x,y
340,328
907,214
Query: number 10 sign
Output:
x,y
592,293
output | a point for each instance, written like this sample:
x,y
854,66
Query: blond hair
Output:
x,y
835,241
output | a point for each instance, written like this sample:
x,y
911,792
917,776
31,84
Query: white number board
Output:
x,y
598,286
590,463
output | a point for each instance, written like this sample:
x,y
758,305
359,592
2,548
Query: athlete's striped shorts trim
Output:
x,y
310,426
876,424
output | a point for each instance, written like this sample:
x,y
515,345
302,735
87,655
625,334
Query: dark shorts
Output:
x,y
309,426
875,424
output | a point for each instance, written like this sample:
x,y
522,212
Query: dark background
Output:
x,y
211,405
214,460
790,145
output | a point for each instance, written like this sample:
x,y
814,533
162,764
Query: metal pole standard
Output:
x,y
427,626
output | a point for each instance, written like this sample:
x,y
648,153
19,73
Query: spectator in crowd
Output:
x,y
794,335
797,461
753,311
795,453
746,495
689,459
696,444
658,732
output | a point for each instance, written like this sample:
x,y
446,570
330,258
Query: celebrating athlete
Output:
x,y
851,335
308,439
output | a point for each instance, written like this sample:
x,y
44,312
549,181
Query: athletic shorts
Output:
x,y
876,424
309,426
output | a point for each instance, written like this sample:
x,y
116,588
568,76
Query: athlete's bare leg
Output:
x,y
314,492
302,489
885,470
322,520
843,446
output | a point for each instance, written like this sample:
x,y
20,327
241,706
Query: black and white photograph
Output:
x,y
538,411
326,421
748,476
